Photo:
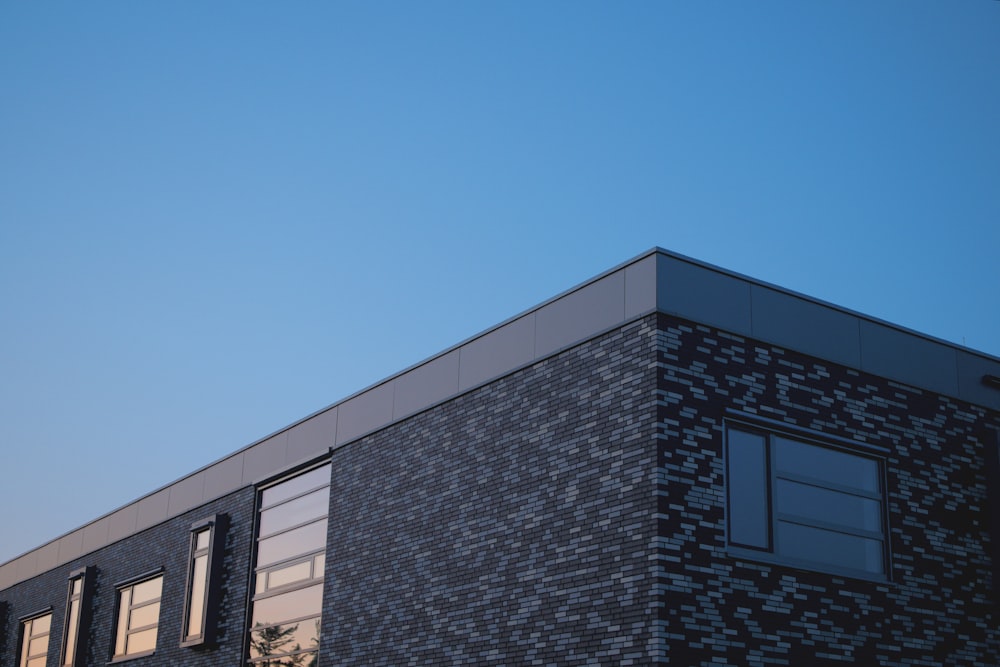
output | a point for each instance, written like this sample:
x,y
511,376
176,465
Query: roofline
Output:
x,y
657,280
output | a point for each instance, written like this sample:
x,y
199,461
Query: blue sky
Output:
x,y
216,218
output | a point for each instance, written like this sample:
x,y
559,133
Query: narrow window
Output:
x,y
749,524
805,503
4,610
35,640
202,581
291,556
138,617
991,455
74,649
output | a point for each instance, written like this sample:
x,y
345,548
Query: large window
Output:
x,y
288,588
74,649
804,503
35,640
200,602
138,616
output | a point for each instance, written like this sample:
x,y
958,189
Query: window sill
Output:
x,y
806,566
132,656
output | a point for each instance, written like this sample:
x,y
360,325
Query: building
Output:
x,y
669,464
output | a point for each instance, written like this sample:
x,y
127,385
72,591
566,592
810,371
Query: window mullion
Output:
x,y
772,537
823,484
831,527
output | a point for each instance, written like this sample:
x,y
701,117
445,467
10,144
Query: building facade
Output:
x,y
669,464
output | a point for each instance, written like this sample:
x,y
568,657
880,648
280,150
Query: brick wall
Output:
x,y
938,608
511,526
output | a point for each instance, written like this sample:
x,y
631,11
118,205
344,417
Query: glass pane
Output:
x,y
811,502
142,616
36,662
824,546
26,632
39,645
123,604
294,512
295,486
41,624
201,541
288,575
140,642
747,483
295,604
294,542
199,574
319,565
74,612
826,464
279,639
147,590
77,586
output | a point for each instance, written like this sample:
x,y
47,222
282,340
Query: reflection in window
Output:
x,y
202,580
74,650
138,617
35,641
805,503
291,554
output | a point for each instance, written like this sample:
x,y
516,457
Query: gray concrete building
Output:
x,y
668,464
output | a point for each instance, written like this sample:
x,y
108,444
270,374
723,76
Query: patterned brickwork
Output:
x,y
511,526
166,546
937,609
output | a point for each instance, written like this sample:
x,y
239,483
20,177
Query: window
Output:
x,y
291,555
74,651
202,580
804,503
35,640
991,455
138,616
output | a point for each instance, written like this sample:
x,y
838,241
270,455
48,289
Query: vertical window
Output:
x,y
203,566
291,554
74,650
4,610
991,455
749,522
138,617
35,640
804,503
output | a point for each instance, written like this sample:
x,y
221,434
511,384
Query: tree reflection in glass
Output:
x,y
282,645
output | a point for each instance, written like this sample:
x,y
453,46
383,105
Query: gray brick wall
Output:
x,y
511,526
938,608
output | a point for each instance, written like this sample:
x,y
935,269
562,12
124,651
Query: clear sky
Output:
x,y
219,217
